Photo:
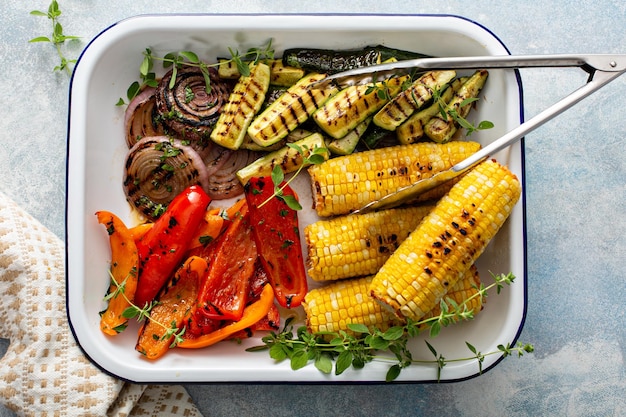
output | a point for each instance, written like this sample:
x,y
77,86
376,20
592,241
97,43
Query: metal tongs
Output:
x,y
601,68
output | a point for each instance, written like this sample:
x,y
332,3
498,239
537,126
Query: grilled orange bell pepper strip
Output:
x,y
251,315
162,248
124,260
223,294
277,238
210,228
175,304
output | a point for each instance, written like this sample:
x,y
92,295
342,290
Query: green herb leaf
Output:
x,y
343,362
324,363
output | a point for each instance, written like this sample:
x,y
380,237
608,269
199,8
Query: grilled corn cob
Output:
x,y
332,307
346,183
447,241
358,245
464,291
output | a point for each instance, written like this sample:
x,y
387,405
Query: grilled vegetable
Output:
x,y
124,260
398,109
288,158
280,74
333,61
277,236
332,307
466,290
347,144
176,303
447,242
412,130
223,293
243,104
359,244
289,110
346,183
162,248
283,75
440,129
352,105
251,315
330,61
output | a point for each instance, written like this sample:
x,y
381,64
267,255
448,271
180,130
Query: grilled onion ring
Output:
x,y
223,181
187,109
141,118
157,169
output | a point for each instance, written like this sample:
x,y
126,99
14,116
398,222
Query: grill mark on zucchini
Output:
x,y
292,108
351,106
442,130
412,99
243,103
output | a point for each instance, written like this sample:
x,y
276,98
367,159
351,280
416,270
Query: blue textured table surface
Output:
x,y
575,189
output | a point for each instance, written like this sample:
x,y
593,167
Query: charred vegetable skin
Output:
x,y
276,233
187,108
331,61
176,304
124,261
231,264
162,248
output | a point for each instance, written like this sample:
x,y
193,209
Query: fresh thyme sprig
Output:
x,y
345,350
309,157
142,313
454,114
58,37
180,59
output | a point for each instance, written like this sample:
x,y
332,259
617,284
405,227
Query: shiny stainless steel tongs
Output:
x,y
601,68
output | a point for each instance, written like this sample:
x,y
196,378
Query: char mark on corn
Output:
x,y
347,183
448,241
358,245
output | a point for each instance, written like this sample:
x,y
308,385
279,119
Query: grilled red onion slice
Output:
x,y
157,169
141,118
223,181
187,109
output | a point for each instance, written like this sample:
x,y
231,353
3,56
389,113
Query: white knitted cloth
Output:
x,y
44,372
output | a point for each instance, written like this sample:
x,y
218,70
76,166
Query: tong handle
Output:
x,y
602,62
597,80
590,63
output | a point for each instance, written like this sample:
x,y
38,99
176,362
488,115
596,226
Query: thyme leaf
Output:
x,y
57,38
340,350
179,59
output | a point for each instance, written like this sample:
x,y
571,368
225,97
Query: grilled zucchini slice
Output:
x,y
347,144
243,104
440,129
352,105
287,157
412,130
289,110
398,109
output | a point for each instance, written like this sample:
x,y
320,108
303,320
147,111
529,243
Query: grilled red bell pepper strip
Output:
x,y
223,295
277,236
162,248
251,315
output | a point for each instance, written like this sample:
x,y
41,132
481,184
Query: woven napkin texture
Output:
x,y
44,372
